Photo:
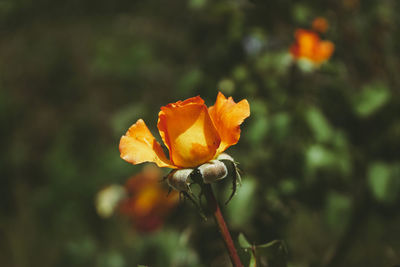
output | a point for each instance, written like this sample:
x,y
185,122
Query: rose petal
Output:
x,y
188,132
227,117
139,145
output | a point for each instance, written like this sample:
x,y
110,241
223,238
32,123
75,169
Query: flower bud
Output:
x,y
212,171
178,179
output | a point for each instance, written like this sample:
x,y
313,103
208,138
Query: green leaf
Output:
x,y
243,241
319,125
318,156
371,98
272,243
383,181
247,247
273,253
253,260
378,180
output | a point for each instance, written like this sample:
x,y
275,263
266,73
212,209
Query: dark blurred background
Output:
x,y
320,152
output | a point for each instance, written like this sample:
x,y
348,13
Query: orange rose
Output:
x,y
193,133
309,46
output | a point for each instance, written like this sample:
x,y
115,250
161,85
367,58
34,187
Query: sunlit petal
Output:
x,y
187,130
139,145
227,117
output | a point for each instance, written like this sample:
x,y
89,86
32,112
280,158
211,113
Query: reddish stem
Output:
x,y
223,229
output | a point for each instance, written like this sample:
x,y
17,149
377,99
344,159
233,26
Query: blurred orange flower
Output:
x,y
193,133
309,46
320,24
147,202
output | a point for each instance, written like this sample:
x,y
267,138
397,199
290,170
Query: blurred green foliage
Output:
x,y
320,152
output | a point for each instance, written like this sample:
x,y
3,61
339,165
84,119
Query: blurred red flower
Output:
x,y
147,203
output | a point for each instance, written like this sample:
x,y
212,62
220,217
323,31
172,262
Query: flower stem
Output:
x,y
223,229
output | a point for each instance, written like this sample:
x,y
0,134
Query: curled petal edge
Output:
x,y
227,117
138,145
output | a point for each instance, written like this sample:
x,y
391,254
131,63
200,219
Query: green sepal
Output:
x,y
233,172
